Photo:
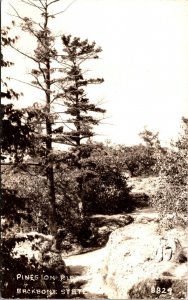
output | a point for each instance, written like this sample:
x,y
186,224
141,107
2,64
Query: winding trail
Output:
x,y
89,259
86,266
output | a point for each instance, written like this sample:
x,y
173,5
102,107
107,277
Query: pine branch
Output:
x,y
17,14
21,18
30,29
63,122
62,62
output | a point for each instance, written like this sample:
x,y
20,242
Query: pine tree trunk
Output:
x,y
52,208
49,160
78,144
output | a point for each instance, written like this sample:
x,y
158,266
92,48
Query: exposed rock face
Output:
x,y
97,233
159,288
96,230
113,222
107,224
138,262
138,258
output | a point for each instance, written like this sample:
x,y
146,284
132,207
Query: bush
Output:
x,y
171,197
33,188
13,211
103,186
140,160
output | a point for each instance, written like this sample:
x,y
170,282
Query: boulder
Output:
x,y
137,255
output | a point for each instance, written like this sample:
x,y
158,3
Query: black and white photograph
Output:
x,y
94,149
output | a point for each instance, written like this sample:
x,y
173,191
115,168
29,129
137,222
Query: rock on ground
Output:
x,y
132,265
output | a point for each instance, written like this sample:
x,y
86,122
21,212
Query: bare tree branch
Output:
x,y
41,3
39,83
53,2
43,73
25,54
31,4
65,8
64,140
26,83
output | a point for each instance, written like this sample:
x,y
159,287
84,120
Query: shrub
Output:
x,y
13,210
33,188
140,160
171,197
104,187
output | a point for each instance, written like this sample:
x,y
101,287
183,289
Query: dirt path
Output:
x,y
86,259
88,264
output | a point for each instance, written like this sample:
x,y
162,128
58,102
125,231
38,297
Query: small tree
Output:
x,y
142,160
150,138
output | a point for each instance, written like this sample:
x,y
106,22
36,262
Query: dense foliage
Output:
x,y
15,131
105,191
15,271
104,184
171,197
17,205
141,159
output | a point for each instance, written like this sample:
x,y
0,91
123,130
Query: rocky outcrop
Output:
x,y
111,221
106,224
95,231
141,263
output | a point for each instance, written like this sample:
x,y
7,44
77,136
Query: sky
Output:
x,y
144,61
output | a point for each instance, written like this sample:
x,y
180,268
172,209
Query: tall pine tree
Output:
x,y
58,75
82,114
45,59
